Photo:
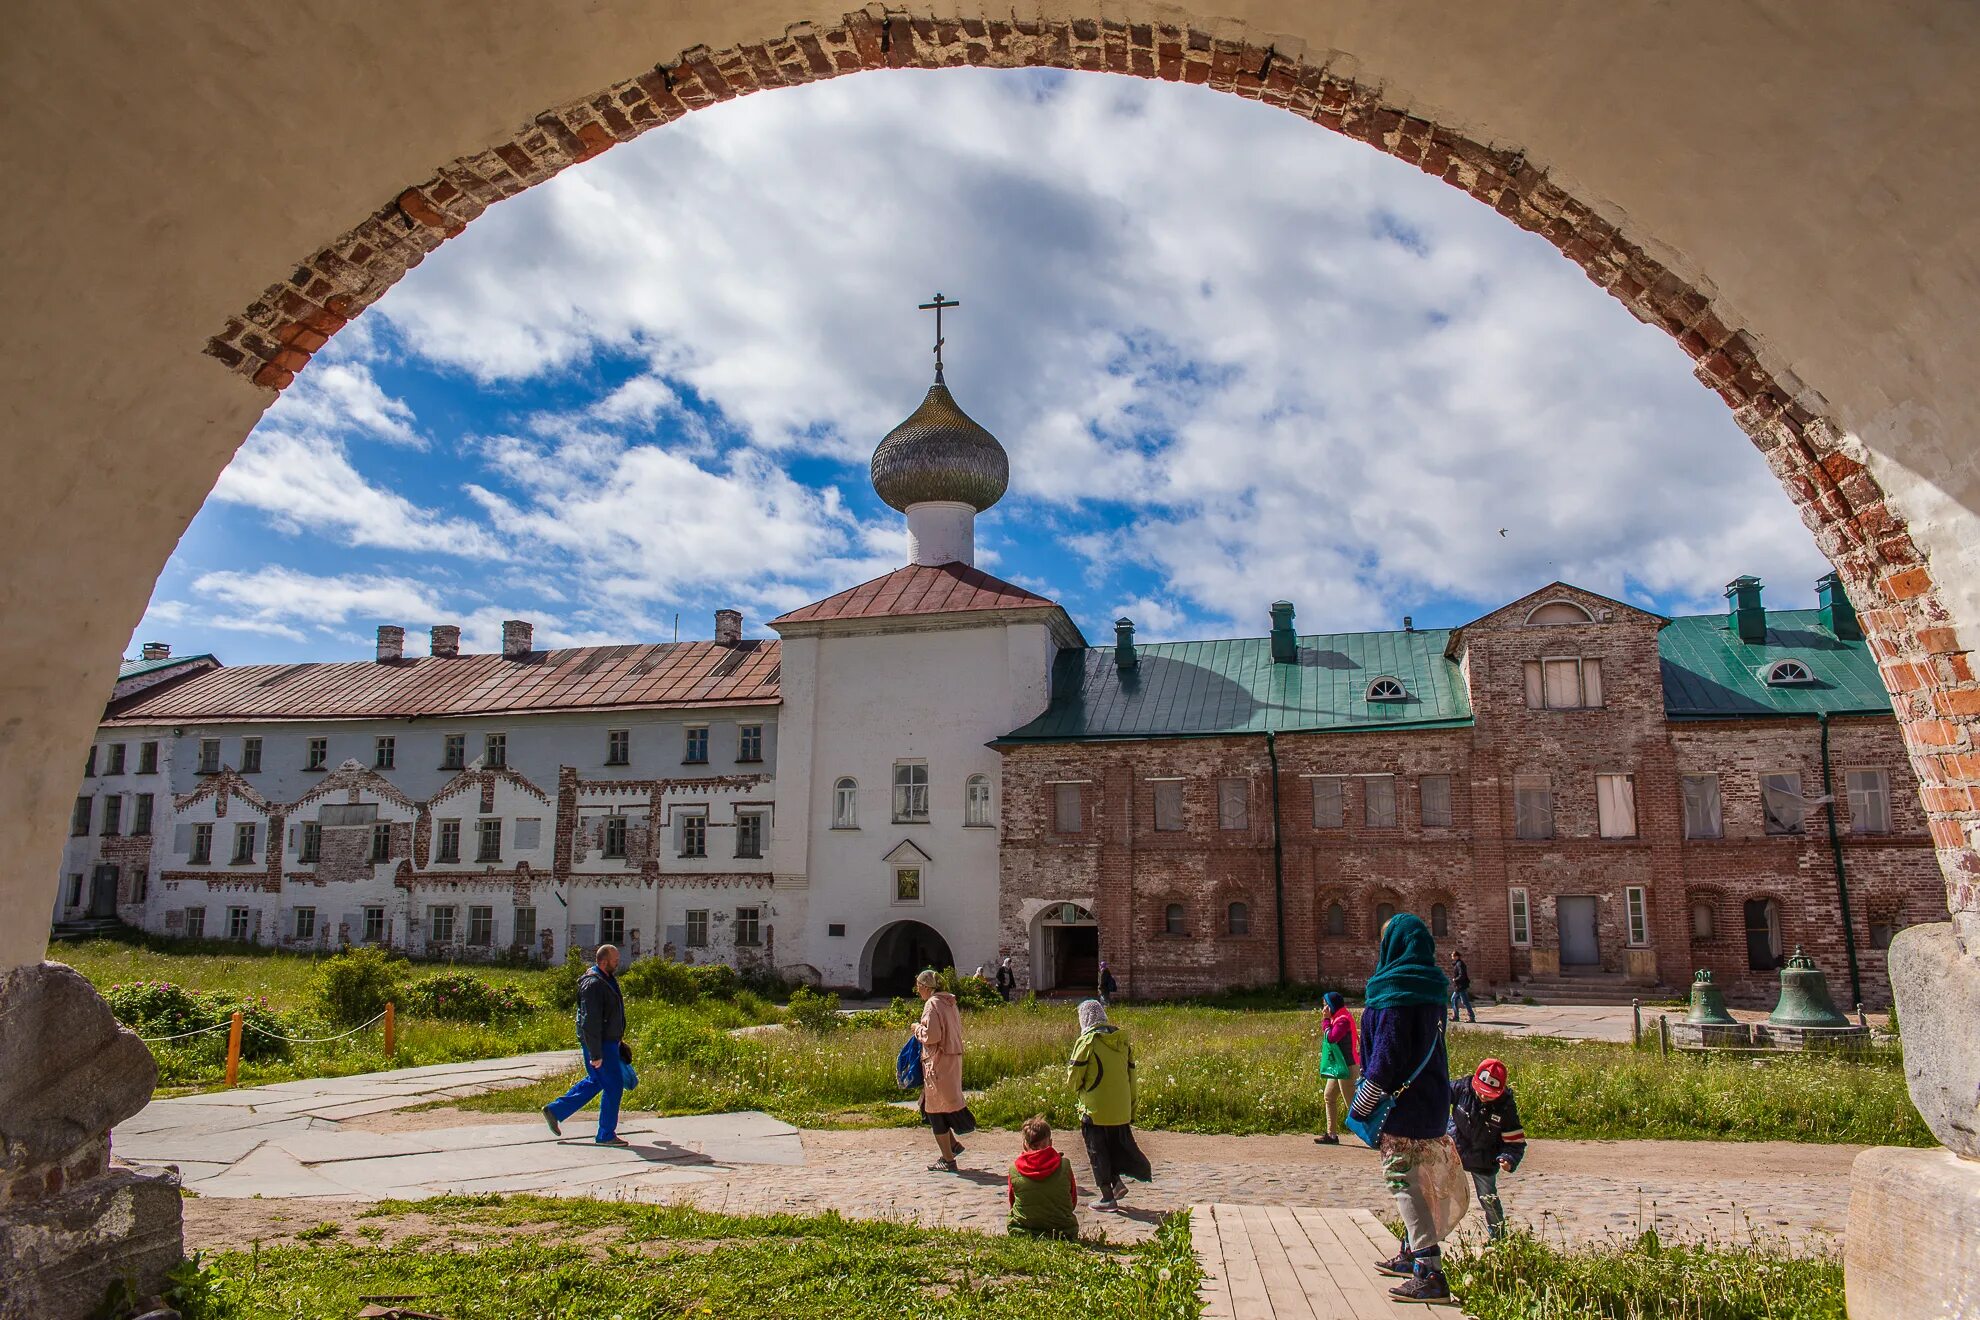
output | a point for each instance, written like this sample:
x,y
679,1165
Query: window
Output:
x,y
524,929
910,790
79,818
1440,920
1636,901
141,821
319,754
1702,818
202,844
907,884
244,842
1763,934
1522,930
89,761
75,890
140,883
494,751
311,847
1558,612
440,924
618,747
1533,808
976,800
237,923
374,925
1169,804
1884,927
1781,807
447,847
1383,913
1172,919
1564,684
116,759
488,840
209,756
1615,806
1237,919
697,928
615,836
385,754
113,814
1786,673
1869,802
1329,802
1233,804
1378,801
694,833
250,756
196,923
749,927
696,752
453,752
749,834
1703,923
381,843
845,805
1387,689
481,926
611,925
1336,921
305,923
749,742
1068,808
1434,796
148,758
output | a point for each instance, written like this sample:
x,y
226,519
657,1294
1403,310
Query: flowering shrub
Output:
x,y
354,985
160,1008
464,997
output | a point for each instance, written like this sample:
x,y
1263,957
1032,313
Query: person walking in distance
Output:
x,y
1006,980
1109,987
601,1031
1340,1055
1461,987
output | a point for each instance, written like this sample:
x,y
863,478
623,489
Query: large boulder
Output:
x,y
1913,1247
68,1071
1936,979
66,1252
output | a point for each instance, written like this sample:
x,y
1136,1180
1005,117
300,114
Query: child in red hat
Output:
x,y
1485,1127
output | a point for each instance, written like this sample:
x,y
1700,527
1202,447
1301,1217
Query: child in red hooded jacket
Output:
x,y
1041,1190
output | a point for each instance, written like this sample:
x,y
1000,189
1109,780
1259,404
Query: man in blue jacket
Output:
x,y
601,1026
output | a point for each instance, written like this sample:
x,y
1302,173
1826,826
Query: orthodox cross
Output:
x,y
937,307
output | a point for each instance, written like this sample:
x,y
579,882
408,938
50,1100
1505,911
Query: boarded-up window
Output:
x,y
1329,803
1378,801
1781,807
1869,802
1173,919
1615,806
1238,919
1336,921
1168,804
1066,808
1435,792
529,833
1702,817
1233,804
1563,684
1533,808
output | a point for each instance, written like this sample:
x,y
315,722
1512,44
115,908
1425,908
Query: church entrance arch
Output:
x,y
900,951
1065,950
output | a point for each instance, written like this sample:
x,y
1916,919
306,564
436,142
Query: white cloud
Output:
x,y
283,601
343,396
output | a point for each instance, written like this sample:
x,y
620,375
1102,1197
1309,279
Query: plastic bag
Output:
x,y
907,1067
1446,1187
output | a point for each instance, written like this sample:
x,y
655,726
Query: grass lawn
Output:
x,y
593,1260
1524,1279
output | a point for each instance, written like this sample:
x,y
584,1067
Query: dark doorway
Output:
x,y
103,892
1763,934
904,949
1073,958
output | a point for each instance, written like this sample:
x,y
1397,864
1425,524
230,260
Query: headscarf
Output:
x,y
1333,1002
1406,970
1092,1014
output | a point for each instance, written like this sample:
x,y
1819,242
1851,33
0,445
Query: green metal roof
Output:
x,y
1181,689
131,668
1709,673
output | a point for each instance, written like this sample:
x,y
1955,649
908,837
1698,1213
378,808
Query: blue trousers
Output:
x,y
605,1081
1462,997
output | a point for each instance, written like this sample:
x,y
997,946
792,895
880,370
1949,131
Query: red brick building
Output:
x,y
1581,796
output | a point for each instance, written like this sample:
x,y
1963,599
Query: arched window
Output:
x,y
1701,919
1239,919
1383,911
1440,920
1172,919
1387,689
1559,611
1785,672
1336,921
845,805
976,800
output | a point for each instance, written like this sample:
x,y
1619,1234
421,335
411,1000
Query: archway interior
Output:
x,y
904,950
1065,952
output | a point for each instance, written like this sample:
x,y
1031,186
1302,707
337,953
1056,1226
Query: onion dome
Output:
x,y
939,453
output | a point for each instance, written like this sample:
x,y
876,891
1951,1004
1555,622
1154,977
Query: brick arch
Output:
x,y
1931,679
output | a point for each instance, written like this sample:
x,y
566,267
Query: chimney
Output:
x,y
1744,615
446,640
1409,624
1838,615
728,627
1124,655
516,638
155,651
1285,642
391,642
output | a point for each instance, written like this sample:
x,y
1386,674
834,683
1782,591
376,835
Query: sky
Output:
x,y
1233,358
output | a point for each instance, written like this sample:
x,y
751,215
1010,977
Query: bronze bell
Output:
x,y
1804,997
1708,1002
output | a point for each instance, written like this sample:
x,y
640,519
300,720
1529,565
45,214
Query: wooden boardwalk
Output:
x,y
1279,1262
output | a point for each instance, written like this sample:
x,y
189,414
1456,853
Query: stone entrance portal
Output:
x,y
1065,951
902,950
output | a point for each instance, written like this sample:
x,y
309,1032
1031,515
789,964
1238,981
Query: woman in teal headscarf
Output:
x,y
1403,1025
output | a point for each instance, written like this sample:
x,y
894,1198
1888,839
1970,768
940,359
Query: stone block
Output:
x,y
68,1072
65,1252
1912,1250
1936,979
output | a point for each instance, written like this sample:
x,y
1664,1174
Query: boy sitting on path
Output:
x,y
1485,1128
1041,1189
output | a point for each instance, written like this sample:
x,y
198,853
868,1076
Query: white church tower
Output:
x,y
888,796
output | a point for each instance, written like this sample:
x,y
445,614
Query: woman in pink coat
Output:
x,y
940,1034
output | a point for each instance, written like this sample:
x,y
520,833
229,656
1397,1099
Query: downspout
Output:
x,y
1279,858
1842,878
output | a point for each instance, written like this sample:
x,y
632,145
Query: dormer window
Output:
x,y
1787,673
1387,689
1558,612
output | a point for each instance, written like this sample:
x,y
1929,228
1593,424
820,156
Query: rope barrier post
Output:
x,y
391,1028
234,1050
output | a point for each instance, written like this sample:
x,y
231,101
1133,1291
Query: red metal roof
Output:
x,y
582,678
919,589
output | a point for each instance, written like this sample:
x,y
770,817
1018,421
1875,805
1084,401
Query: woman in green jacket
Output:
x,y
1102,1072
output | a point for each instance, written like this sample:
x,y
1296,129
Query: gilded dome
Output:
x,y
939,453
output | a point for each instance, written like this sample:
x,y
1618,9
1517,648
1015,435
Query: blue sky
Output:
x,y
1233,358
